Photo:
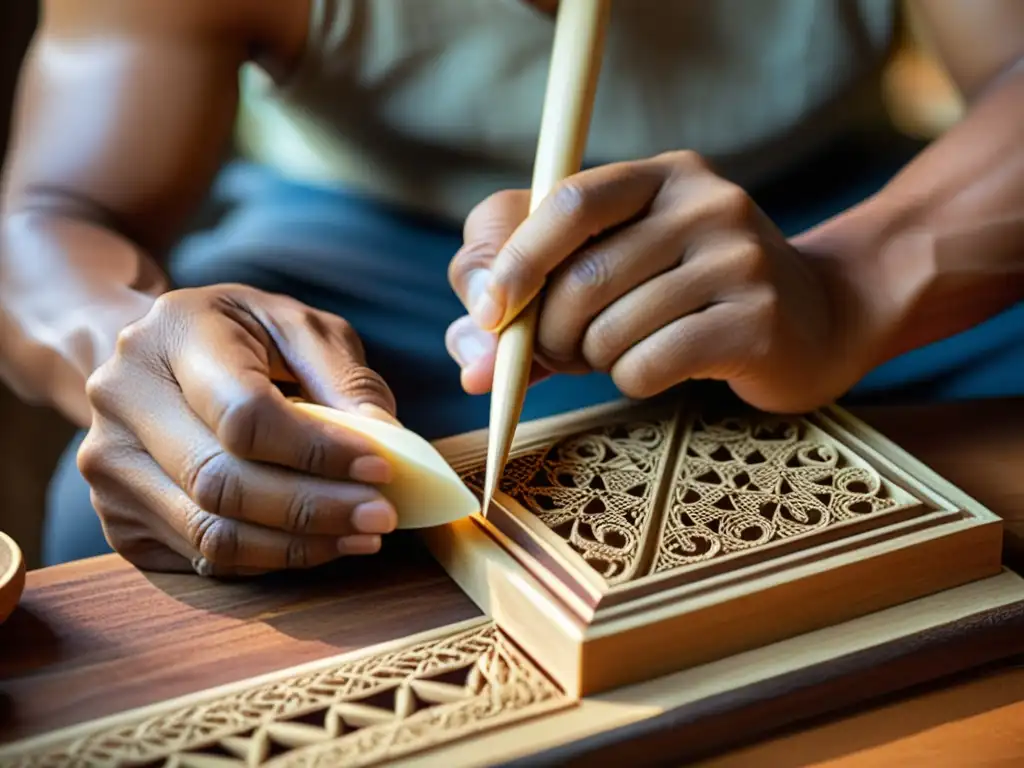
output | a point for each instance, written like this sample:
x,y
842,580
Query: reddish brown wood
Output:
x,y
97,637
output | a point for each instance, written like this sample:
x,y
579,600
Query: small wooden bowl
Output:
x,y
12,575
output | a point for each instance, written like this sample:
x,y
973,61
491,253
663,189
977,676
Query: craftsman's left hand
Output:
x,y
656,271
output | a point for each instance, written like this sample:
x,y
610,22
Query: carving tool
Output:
x,y
568,103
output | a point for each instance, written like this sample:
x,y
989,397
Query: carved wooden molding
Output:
x,y
355,711
524,715
618,527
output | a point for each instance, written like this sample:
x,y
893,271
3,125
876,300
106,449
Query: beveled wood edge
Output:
x,y
985,641
631,713
480,560
906,462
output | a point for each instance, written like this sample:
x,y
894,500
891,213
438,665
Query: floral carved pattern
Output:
x,y
738,482
356,713
594,490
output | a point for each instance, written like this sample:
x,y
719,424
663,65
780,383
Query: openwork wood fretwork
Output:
x,y
353,713
667,492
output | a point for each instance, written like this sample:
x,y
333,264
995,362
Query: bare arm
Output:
x,y
123,112
940,248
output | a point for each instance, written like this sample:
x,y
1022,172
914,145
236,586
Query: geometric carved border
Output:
x,y
353,712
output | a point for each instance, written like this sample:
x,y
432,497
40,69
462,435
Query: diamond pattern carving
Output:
x,y
355,713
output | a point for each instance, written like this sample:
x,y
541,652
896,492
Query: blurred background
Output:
x,y
919,100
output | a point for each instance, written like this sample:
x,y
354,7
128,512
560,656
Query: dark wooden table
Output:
x,y
96,637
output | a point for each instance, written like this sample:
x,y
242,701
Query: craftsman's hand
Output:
x,y
656,271
197,459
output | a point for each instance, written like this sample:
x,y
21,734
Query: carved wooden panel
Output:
x,y
676,488
351,712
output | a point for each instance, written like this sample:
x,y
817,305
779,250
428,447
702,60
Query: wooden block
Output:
x,y
465,695
689,529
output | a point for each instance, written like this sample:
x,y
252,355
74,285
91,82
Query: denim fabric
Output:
x,y
385,271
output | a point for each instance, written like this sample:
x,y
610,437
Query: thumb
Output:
x,y
486,230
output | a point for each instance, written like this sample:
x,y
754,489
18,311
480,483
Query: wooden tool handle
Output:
x,y
565,122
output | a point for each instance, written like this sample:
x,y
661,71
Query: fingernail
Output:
x,y
470,345
486,312
359,545
370,469
375,517
376,412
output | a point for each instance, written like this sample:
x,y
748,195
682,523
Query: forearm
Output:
x,y
67,288
122,117
940,248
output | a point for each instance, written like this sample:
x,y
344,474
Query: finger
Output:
x,y
231,547
327,358
583,207
259,493
599,275
474,350
720,266
154,525
234,546
223,374
487,228
711,344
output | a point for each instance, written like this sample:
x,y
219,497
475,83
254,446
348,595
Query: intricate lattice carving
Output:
x,y
594,490
355,713
745,482
738,482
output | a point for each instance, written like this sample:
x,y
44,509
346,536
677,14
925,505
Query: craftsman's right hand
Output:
x,y
197,460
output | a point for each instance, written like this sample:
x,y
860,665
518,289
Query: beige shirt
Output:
x,y
436,103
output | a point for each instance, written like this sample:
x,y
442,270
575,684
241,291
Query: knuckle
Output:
x,y
601,345
747,263
734,203
766,304
633,381
91,460
571,201
209,483
301,514
590,272
102,388
686,160
215,538
237,428
344,332
133,339
96,459
297,554
364,383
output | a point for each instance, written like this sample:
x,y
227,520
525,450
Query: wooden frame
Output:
x,y
925,537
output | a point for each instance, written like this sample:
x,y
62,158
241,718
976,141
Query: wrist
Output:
x,y
62,311
849,255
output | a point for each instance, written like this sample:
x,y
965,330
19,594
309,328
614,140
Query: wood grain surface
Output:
x,y
96,637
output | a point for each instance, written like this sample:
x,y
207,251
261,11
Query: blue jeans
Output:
x,y
384,270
